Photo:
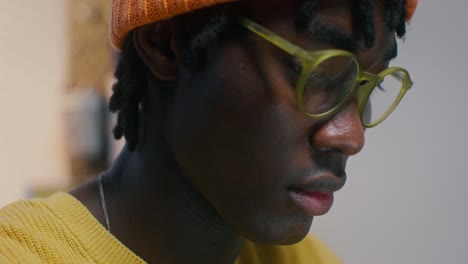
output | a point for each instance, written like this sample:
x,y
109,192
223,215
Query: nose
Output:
x,y
343,132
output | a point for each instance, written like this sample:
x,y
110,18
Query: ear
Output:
x,y
155,44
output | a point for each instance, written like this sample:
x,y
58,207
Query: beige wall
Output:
x,y
32,85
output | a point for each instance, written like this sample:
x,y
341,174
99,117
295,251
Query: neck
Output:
x,y
156,212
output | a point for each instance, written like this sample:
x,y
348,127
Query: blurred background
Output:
x,y
56,73
405,200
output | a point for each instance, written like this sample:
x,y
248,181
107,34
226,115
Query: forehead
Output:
x,y
332,22
281,8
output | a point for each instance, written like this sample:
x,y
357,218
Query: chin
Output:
x,y
288,233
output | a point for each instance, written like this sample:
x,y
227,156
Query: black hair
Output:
x,y
395,17
131,73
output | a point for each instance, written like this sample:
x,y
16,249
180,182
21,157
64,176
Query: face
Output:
x,y
237,134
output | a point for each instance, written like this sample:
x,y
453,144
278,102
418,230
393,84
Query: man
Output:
x,y
239,118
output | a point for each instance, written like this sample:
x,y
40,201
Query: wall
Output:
x,y
32,74
406,198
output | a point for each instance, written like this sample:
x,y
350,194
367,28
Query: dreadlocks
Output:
x,y
131,73
395,14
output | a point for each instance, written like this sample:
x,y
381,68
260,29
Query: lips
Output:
x,y
315,196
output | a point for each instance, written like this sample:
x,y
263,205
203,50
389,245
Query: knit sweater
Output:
x,y
60,229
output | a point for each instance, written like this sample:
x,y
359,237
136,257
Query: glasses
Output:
x,y
327,79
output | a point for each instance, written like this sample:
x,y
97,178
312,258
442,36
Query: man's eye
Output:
x,y
292,70
379,85
294,66
363,83
316,80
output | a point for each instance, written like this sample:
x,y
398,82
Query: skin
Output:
x,y
217,162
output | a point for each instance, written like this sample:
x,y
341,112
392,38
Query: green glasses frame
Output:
x,y
311,59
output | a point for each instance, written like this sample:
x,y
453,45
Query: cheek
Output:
x,y
221,119
230,116
236,143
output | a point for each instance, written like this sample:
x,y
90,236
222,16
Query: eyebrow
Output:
x,y
334,36
339,39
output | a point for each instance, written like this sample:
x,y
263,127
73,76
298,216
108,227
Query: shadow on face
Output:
x,y
235,131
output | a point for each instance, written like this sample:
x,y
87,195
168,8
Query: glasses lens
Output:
x,y
328,84
383,97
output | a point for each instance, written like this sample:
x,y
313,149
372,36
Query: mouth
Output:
x,y
316,197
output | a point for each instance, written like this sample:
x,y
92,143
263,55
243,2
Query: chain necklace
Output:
x,y
103,202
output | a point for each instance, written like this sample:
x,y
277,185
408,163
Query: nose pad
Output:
x,y
344,132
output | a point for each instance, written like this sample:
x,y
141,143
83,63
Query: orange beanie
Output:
x,y
130,14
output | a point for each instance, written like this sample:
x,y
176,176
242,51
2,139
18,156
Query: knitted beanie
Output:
x,y
130,14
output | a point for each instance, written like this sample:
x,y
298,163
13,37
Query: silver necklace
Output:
x,y
103,201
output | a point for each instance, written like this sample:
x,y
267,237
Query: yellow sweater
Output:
x,y
59,229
